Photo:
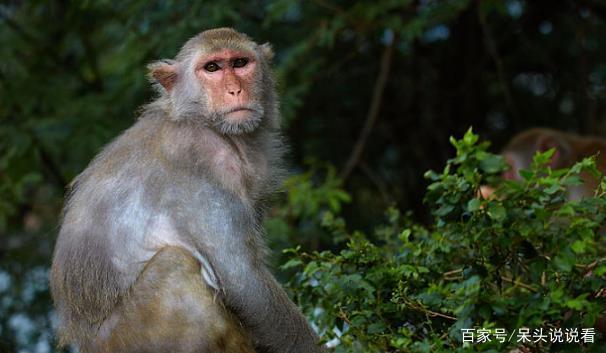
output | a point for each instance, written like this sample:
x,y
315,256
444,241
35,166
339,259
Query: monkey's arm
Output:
x,y
224,232
253,293
228,240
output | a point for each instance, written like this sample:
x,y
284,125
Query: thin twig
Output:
x,y
343,316
418,306
448,273
373,111
494,54
520,284
434,313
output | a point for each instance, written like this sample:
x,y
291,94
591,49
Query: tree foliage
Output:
x,y
525,258
374,88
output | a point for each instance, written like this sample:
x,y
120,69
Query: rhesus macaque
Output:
x,y
569,149
161,248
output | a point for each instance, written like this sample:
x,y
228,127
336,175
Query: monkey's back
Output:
x,y
124,207
85,283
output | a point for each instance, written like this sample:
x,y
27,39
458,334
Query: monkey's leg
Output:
x,y
170,309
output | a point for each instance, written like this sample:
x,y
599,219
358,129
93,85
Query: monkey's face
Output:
x,y
515,165
221,79
230,83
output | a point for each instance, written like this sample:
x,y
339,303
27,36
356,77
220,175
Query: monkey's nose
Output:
x,y
234,91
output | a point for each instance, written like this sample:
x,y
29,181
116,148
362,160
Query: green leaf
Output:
x,y
526,174
579,246
496,212
376,327
292,263
600,270
470,138
493,164
564,261
473,205
577,303
444,210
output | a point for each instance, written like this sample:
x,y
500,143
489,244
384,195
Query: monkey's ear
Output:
x,y
163,72
267,51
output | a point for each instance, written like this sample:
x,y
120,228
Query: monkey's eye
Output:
x,y
240,62
211,67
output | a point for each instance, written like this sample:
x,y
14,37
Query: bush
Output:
x,y
527,258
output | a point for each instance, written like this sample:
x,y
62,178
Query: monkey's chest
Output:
x,y
238,173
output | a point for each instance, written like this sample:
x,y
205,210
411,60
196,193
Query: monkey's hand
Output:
x,y
251,291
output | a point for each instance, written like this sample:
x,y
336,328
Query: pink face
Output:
x,y
228,77
513,172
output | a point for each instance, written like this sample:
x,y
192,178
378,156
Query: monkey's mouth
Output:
x,y
240,111
239,119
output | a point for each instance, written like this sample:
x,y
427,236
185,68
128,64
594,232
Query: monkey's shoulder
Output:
x,y
156,163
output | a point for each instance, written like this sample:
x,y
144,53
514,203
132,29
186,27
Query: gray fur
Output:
x,y
164,182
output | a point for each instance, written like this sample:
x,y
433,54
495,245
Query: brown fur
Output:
x,y
569,149
172,277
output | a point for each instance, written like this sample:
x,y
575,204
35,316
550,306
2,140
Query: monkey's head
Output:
x,y
221,79
520,151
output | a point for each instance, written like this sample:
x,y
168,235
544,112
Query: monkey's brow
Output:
x,y
231,55
222,59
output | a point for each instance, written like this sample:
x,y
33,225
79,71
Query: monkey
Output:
x,y
569,148
161,247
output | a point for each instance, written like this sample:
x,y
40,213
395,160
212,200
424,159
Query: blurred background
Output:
x,y
374,88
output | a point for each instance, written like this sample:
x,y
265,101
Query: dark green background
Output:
x,y
72,75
